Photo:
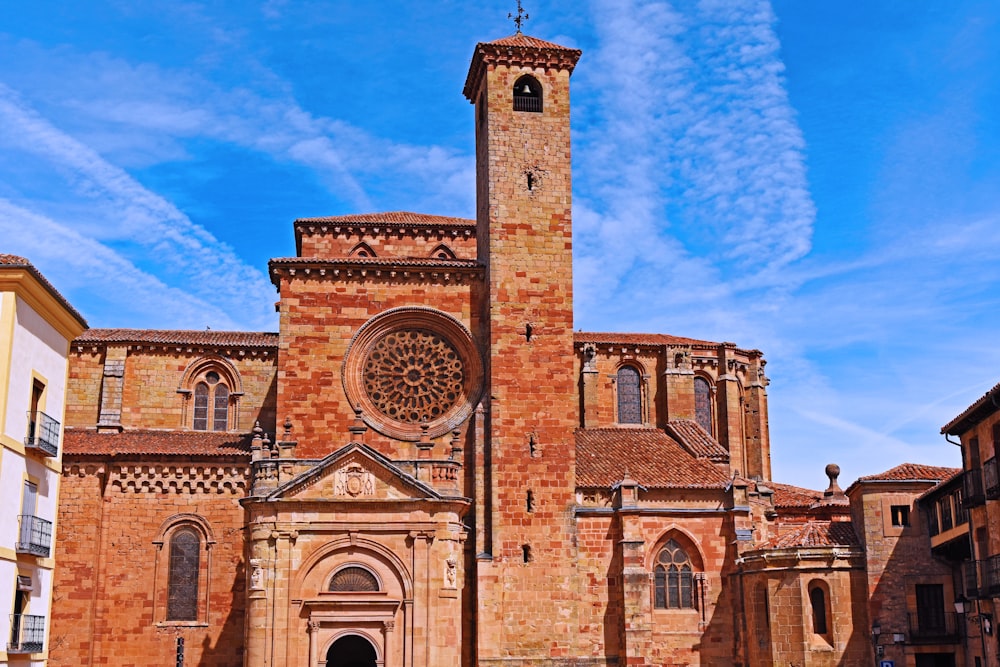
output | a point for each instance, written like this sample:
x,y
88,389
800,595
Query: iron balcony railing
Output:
x,y
527,103
34,536
989,573
970,578
972,488
27,634
43,433
991,480
933,626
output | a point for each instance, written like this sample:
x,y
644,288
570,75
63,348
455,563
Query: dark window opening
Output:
x,y
528,94
930,609
817,599
531,445
211,404
530,501
531,181
528,332
900,515
526,553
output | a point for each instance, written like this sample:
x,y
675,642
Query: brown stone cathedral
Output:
x,y
427,467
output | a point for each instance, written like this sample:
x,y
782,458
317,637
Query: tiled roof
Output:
x,y
84,442
816,534
910,472
208,337
526,41
973,414
581,337
696,440
650,456
394,218
943,482
18,262
786,495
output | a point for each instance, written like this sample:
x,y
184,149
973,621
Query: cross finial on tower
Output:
x,y
521,17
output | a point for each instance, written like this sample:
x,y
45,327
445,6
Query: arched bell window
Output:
x,y
629,395
528,94
673,578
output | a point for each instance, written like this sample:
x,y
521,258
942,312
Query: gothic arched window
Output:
x,y
528,94
182,581
211,404
703,404
354,579
629,396
673,578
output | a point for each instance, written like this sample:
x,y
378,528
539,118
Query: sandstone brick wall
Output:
x,y
149,387
110,585
389,241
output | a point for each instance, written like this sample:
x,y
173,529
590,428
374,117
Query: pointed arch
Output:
x,y
442,251
362,249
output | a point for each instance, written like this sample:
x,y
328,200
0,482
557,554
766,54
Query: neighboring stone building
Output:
x,y
427,467
36,327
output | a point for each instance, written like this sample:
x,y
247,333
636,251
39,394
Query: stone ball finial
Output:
x,y
833,472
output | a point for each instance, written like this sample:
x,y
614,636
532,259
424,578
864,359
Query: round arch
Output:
x,y
357,647
187,520
217,363
357,547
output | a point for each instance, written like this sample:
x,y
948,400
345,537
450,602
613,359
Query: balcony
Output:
x,y
43,434
970,578
991,480
933,627
989,572
973,494
27,634
34,536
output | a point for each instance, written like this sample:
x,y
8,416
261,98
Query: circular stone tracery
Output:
x,y
413,371
413,375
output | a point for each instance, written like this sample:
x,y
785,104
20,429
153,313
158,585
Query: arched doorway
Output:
x,y
351,651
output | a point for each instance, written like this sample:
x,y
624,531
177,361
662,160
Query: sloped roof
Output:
x,y
392,218
147,442
911,472
527,41
816,534
943,482
208,337
973,414
650,456
637,339
18,262
696,440
786,495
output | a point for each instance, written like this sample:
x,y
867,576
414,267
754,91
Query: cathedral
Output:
x,y
427,466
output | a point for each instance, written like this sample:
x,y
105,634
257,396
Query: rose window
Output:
x,y
413,375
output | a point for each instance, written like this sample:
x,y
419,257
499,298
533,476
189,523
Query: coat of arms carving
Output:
x,y
353,481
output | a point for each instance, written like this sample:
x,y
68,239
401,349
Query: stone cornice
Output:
x,y
29,285
377,269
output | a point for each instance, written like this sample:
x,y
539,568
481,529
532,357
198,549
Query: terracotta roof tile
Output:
x,y
581,337
650,456
786,495
943,482
910,472
18,262
816,534
696,440
393,218
84,442
973,414
208,337
526,41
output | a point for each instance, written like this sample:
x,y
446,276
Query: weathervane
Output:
x,y
521,17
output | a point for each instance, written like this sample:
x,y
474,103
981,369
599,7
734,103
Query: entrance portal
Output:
x,y
351,651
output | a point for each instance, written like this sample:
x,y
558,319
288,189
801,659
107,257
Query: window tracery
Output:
x,y
673,578
354,579
211,387
629,395
182,581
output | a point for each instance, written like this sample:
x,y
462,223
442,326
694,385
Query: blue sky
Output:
x,y
817,180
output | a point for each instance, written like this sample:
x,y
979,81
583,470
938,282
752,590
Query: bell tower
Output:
x,y
525,567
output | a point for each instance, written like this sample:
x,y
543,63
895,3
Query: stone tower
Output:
x,y
525,560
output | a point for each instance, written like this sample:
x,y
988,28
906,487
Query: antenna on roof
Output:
x,y
521,17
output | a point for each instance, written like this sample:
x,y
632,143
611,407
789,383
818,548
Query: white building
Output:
x,y
36,327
